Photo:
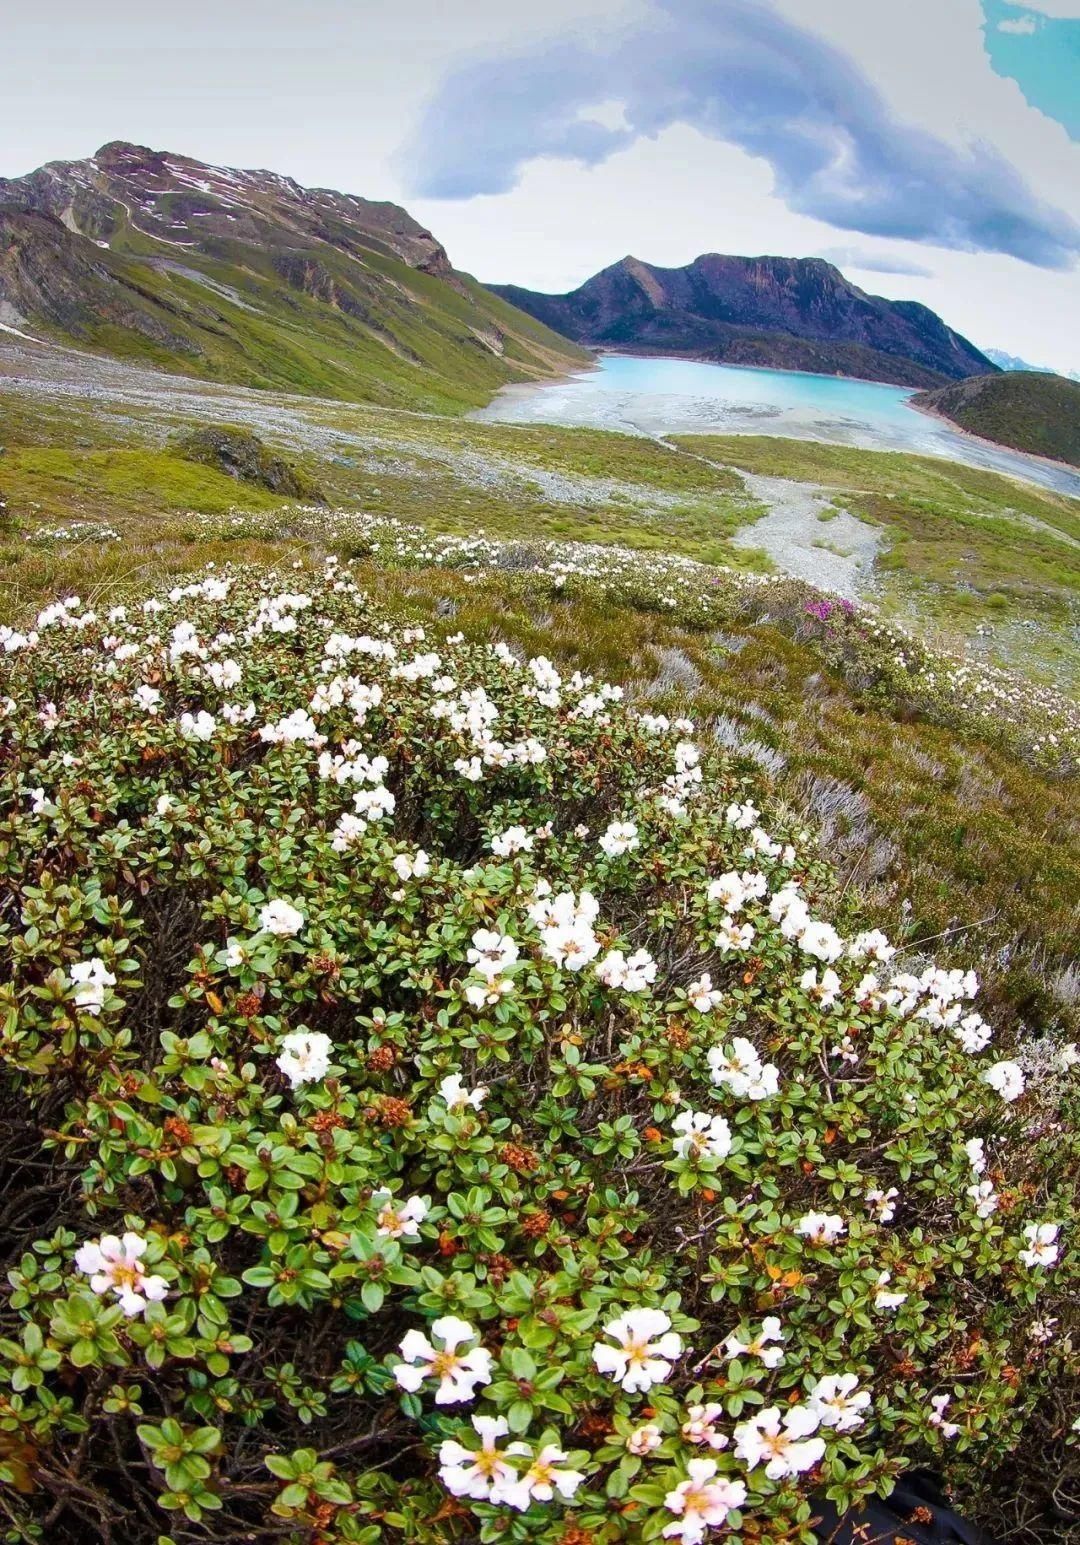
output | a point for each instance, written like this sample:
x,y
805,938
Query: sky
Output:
x,y
930,149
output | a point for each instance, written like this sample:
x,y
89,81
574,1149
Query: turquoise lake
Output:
x,y
670,396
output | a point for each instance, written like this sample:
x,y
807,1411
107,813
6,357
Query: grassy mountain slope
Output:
x,y
1028,410
791,313
246,277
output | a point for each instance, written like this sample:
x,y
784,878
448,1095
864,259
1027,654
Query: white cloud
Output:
x,y
1021,26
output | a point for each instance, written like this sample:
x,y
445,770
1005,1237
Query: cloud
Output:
x,y
737,71
874,262
1022,26
1058,10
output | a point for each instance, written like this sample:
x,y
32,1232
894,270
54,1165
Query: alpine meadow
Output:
x,y
539,821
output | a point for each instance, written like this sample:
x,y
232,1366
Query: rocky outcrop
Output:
x,y
242,455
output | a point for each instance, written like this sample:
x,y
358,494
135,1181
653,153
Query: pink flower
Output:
x,y
782,1444
700,1425
701,1502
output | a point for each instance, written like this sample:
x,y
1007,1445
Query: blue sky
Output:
x,y
1041,53
931,148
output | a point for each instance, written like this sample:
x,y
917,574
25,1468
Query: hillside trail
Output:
x,y
803,531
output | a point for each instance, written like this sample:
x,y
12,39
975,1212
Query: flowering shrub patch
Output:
x,y
882,659
445,1106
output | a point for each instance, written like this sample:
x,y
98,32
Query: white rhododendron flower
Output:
x,y
1007,1078
734,936
458,1098
114,1265
882,1204
703,995
821,1228
492,953
632,974
884,1299
484,1474
567,937
984,1198
837,1401
826,991
304,1056
701,1502
396,1219
743,816
545,1475
414,867
638,1361
200,726
872,944
643,1440
939,1404
281,918
1042,1248
89,979
742,1071
728,891
620,837
515,839
782,1442
821,940
701,1136
764,1346
457,1373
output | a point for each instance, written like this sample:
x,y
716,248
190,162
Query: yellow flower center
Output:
x,y
445,1362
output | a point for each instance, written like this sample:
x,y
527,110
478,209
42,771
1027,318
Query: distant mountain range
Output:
x,y
1013,362
246,276
790,313
1029,410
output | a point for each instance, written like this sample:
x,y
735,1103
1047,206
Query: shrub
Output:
x,y
440,1109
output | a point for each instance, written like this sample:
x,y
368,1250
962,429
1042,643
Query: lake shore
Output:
x,y
658,395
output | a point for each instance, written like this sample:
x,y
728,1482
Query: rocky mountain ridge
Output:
x,y
792,313
249,277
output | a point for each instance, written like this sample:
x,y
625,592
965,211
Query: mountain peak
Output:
x,y
796,313
183,202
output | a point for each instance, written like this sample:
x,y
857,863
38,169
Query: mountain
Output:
x,y
1013,362
245,276
1027,410
792,313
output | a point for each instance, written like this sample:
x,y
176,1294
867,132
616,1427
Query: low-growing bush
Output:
x,y
441,1106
